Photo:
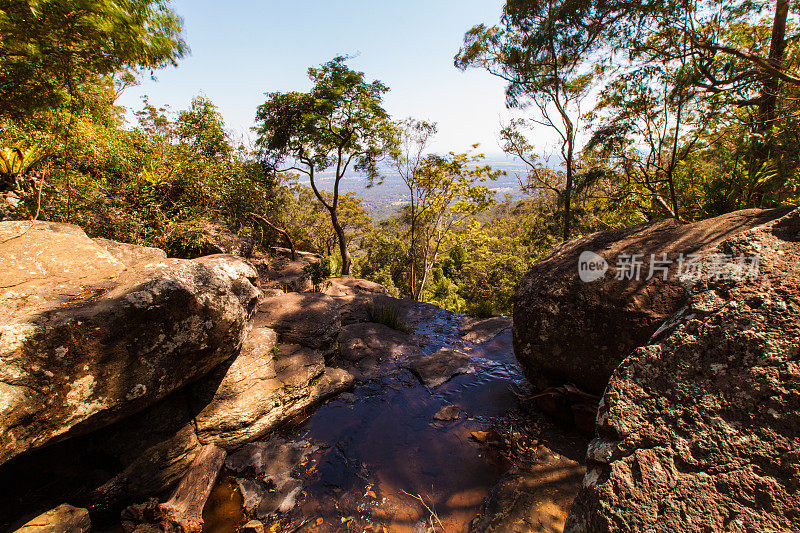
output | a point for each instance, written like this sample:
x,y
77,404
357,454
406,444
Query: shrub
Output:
x,y
388,316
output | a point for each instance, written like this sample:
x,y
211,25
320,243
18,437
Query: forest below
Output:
x,y
663,109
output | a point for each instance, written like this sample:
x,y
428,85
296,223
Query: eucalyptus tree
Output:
x,y
408,159
721,60
339,125
544,60
450,190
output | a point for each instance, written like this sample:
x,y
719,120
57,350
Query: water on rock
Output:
x,y
395,455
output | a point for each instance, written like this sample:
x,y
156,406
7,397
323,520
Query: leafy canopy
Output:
x,y
48,48
339,122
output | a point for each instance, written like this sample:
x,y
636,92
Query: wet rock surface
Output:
x,y
570,331
270,486
87,339
479,330
365,346
393,440
439,367
700,430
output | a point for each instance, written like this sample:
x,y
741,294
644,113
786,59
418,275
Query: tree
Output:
x,y
339,124
201,127
737,53
49,48
408,159
544,62
449,190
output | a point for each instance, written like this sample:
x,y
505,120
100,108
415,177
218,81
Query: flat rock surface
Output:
x,y
265,385
480,330
700,430
309,319
531,499
437,368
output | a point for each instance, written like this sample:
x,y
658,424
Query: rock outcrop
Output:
x,y
309,319
265,385
118,365
364,346
92,334
62,519
570,331
439,367
700,429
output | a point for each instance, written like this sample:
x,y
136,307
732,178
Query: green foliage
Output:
x,y
340,122
388,316
201,128
49,48
318,272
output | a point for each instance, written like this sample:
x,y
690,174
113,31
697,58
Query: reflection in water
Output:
x,y
223,510
384,463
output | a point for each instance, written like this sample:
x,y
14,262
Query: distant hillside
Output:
x,y
384,199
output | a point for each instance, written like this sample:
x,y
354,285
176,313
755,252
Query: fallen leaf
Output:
x,y
320,520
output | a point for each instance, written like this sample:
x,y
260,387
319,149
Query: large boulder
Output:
x,y
91,334
700,430
567,330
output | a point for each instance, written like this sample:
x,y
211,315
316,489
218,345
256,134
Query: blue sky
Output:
x,y
242,49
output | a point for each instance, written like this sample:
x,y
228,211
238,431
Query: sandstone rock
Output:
x,y
348,286
483,330
531,499
364,346
151,451
435,369
63,519
131,254
308,319
569,331
86,340
447,413
253,526
700,430
282,273
262,387
355,295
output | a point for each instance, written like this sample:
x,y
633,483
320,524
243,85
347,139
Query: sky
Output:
x,y
242,49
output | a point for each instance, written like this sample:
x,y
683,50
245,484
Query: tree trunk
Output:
x,y
413,255
279,230
190,496
184,510
568,189
767,108
345,254
673,162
